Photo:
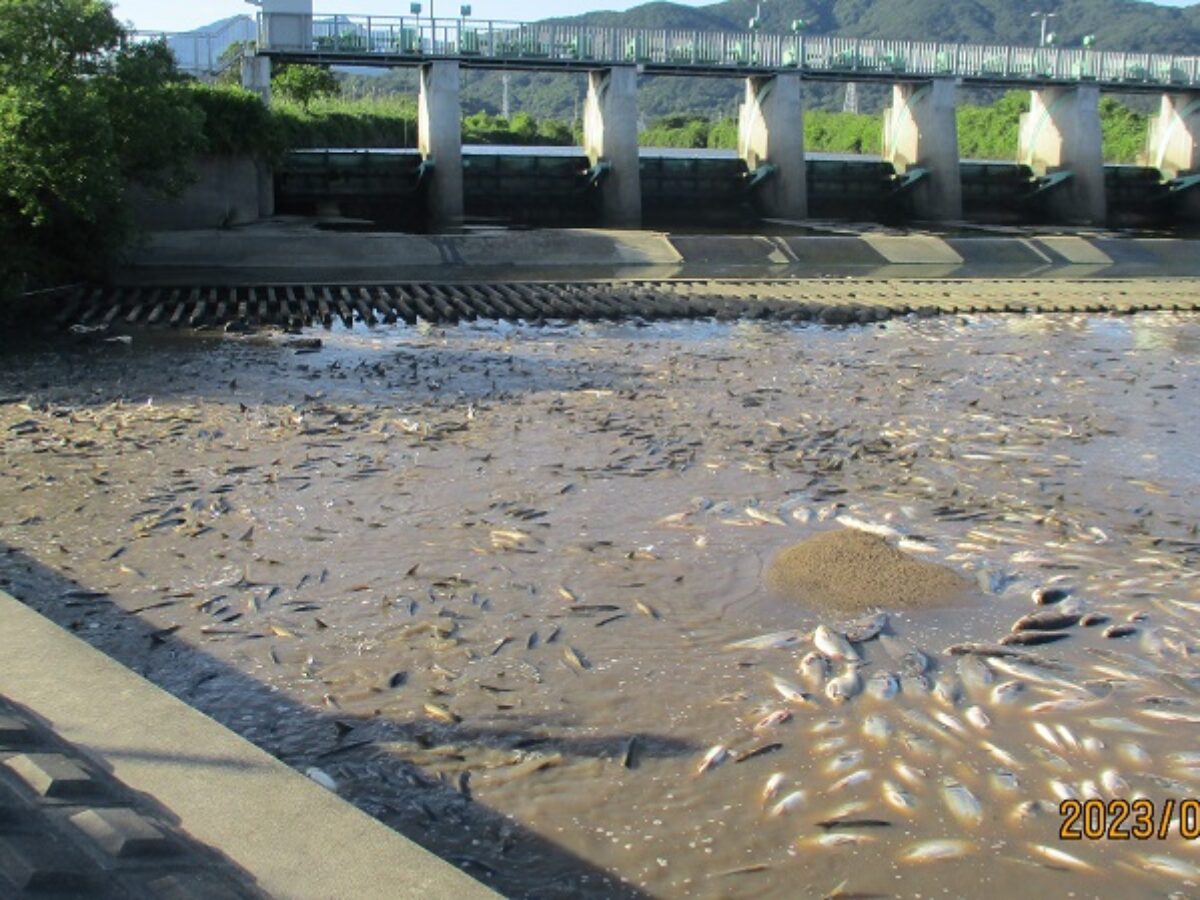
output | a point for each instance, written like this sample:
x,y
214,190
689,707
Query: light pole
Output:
x,y
1045,17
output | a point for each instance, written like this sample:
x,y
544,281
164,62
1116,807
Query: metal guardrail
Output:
x,y
409,38
200,53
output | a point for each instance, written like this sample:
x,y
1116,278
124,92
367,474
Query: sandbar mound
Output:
x,y
850,570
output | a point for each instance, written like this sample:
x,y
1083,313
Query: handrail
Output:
x,y
412,38
207,46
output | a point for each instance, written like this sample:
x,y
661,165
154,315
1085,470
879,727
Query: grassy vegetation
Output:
x,y
391,122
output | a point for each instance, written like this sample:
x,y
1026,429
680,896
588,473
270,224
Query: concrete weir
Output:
x,y
920,133
610,139
1061,134
771,138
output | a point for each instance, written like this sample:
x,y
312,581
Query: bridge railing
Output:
x,y
202,53
409,36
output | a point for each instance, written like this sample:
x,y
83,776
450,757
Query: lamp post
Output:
x,y
1045,17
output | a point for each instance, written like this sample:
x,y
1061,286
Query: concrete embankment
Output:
x,y
281,831
296,252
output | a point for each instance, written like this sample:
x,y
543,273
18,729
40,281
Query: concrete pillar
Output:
x,y
1174,143
610,135
920,130
1061,132
439,137
771,133
256,76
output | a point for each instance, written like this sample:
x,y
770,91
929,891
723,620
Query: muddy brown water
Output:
x,y
486,577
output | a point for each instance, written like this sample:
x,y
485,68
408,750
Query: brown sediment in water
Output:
x,y
851,570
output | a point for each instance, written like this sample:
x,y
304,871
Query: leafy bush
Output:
x,y
82,112
304,84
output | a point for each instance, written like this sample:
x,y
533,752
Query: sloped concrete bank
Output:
x,y
286,834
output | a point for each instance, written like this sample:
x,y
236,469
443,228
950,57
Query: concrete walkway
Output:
x,y
81,730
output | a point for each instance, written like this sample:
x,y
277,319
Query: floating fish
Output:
x,y
713,758
792,802
1062,858
963,805
778,640
845,687
937,851
813,667
772,787
790,692
834,645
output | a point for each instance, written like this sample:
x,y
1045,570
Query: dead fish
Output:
x,y
948,690
999,754
789,691
937,851
441,713
1119,630
1167,715
647,610
777,640
1033,638
1007,692
863,630
792,802
1061,858
877,727
1124,726
840,839
845,687
755,752
883,685
1047,620
852,780
898,798
974,673
834,645
772,719
970,649
713,758
813,667
1048,596
961,803
765,517
575,659
324,779
878,529
844,761
771,789
851,822
1112,782
910,774
1171,867
978,718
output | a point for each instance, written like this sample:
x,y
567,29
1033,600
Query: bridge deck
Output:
x,y
410,41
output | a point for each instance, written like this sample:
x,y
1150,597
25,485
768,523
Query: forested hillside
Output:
x,y
1123,24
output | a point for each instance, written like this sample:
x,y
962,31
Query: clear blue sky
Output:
x,y
157,15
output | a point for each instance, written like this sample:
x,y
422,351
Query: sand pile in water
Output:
x,y
852,570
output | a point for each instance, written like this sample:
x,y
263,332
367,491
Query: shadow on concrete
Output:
x,y
433,813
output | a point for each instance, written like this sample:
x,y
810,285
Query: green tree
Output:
x,y
83,110
304,84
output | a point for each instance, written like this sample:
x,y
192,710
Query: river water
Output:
x,y
487,578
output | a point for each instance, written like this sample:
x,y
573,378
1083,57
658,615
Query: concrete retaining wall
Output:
x,y
294,253
228,191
